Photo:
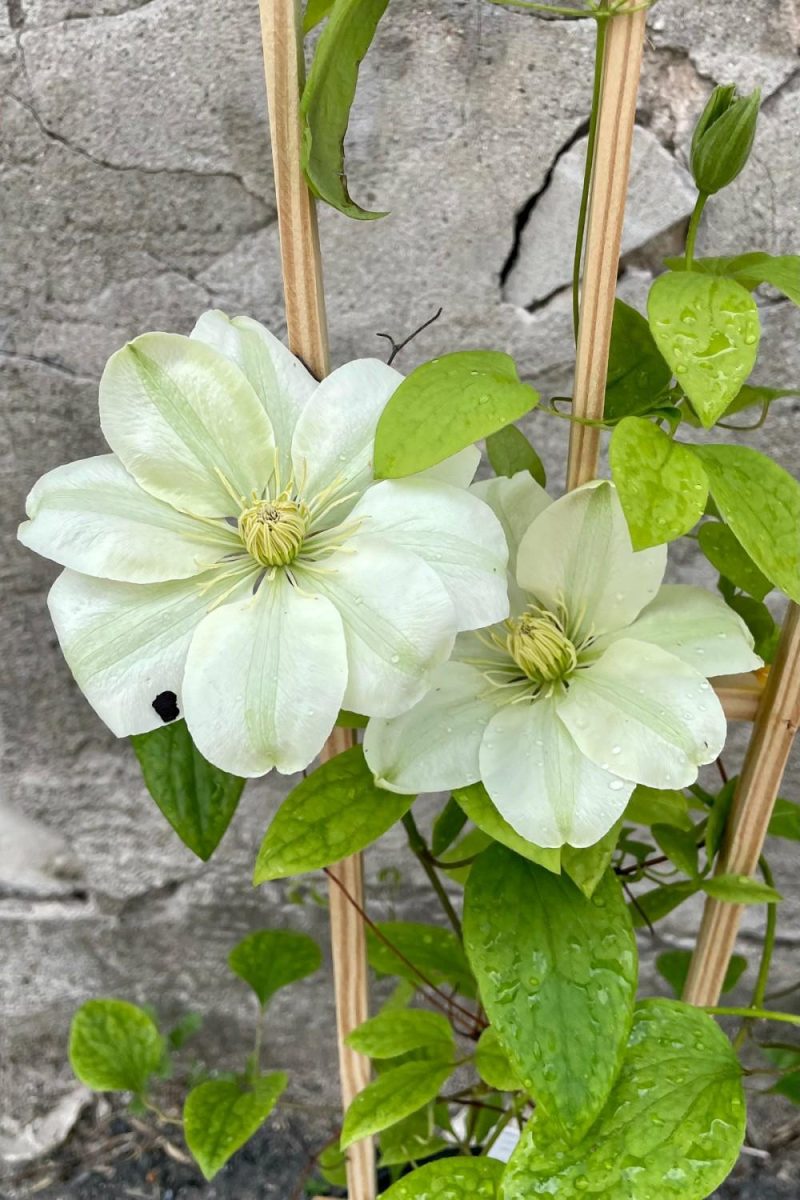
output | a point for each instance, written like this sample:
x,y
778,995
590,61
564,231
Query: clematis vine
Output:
x,y
597,681
235,550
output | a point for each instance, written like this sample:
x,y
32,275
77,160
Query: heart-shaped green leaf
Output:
x,y
672,1126
708,330
221,1115
450,1179
557,977
114,1046
270,959
662,487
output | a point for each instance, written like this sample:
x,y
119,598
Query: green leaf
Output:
x,y
450,1179
351,720
760,502
335,812
328,96
316,11
587,866
648,806
708,330
398,1031
740,889
510,451
444,406
718,818
680,847
447,826
725,553
197,798
473,843
393,1095
332,1163
477,804
114,1046
672,1126
637,373
410,1140
785,822
186,1028
660,901
270,959
760,621
662,487
673,965
436,952
557,977
221,1115
492,1063
781,271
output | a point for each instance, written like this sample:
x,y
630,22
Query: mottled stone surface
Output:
x,y
137,192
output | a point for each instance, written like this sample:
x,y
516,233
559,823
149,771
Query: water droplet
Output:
x,y
395,658
616,785
616,749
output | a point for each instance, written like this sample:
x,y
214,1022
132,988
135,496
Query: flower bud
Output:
x,y
723,138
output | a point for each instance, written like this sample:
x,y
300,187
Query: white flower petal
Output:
x,y
516,502
264,680
398,621
540,782
457,470
697,627
182,417
579,552
334,438
454,532
645,714
126,643
92,516
281,381
434,746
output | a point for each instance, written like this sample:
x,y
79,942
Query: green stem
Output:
x,y
257,1042
760,989
419,847
694,223
580,238
752,1014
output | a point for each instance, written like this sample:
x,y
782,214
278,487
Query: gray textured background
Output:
x,y
137,192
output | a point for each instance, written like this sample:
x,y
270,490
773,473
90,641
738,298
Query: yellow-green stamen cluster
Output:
x,y
274,530
538,644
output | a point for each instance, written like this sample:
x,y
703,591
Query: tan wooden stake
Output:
x,y
622,64
776,724
308,338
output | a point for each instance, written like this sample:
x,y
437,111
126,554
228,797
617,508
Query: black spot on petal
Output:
x,y
166,705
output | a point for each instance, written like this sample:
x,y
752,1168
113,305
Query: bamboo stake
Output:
x,y
622,62
308,338
764,764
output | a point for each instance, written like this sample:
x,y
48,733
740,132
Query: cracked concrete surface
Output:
x,y
137,192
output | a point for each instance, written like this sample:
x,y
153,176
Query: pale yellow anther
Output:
x,y
274,530
538,644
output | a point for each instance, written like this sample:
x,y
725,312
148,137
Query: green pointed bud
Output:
x,y
723,138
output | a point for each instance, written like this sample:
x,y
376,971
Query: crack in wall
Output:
x,y
16,14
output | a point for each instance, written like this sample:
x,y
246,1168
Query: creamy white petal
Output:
x,y
434,746
697,627
126,643
454,532
516,502
458,470
398,621
578,552
334,438
93,517
264,680
182,418
546,789
281,381
645,714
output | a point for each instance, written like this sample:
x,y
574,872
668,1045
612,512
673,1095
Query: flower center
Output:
x,y
274,530
538,644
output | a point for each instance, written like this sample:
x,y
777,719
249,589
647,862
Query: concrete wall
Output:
x,y
137,193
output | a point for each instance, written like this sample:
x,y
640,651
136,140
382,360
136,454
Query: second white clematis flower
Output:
x,y
234,549
598,680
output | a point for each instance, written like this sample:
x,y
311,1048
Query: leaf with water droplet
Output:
x,y
708,330
434,951
395,1094
671,1129
725,552
587,865
781,271
479,807
662,487
637,376
444,406
557,976
450,1179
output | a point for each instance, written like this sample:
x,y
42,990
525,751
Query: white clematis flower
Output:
x,y
234,549
596,682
